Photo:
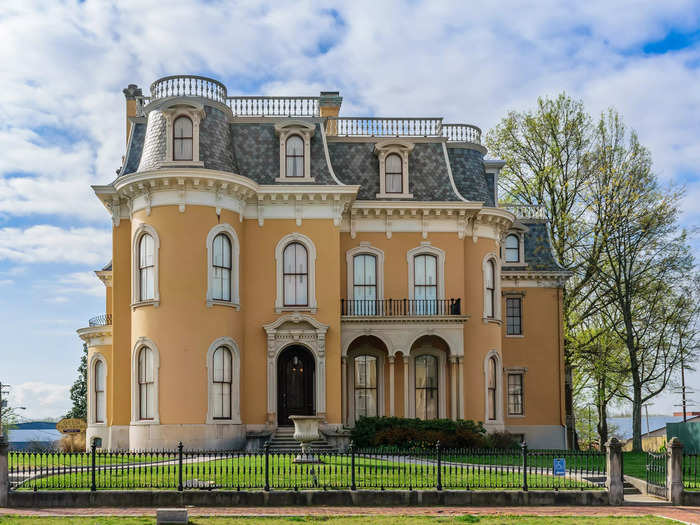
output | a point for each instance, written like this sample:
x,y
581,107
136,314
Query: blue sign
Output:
x,y
559,466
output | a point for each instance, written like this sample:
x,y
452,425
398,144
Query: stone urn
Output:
x,y
306,431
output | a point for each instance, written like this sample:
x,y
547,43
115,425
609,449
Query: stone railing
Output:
x,y
386,127
524,211
100,320
273,106
188,86
461,133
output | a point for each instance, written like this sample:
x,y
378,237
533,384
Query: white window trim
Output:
x,y
142,342
136,275
229,231
426,248
521,249
305,131
235,419
91,398
352,354
442,379
365,248
496,288
195,113
383,150
499,390
279,257
521,370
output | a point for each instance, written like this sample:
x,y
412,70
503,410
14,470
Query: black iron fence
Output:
x,y
434,468
400,307
691,471
656,465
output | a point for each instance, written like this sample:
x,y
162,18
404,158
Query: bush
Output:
x,y
417,433
502,440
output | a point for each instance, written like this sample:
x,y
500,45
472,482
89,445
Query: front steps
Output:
x,y
283,440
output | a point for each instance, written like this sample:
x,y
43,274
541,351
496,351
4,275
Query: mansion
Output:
x,y
271,258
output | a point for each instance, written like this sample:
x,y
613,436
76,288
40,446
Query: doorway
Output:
x,y
295,384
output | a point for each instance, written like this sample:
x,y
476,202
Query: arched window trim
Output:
x,y
442,378
136,274
230,232
191,137
135,398
196,113
521,249
92,397
287,155
279,257
304,130
365,249
499,390
401,148
491,257
350,380
426,248
229,343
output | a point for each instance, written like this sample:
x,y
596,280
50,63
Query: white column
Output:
x,y
344,388
405,386
391,385
453,387
460,386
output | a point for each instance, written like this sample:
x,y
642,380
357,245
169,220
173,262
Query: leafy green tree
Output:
x,y
78,392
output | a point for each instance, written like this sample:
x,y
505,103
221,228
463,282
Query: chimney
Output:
x,y
329,106
131,93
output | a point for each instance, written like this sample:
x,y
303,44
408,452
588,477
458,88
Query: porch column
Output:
x,y
344,389
460,366
453,387
405,386
391,385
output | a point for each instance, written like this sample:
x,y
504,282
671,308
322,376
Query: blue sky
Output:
x,y
62,112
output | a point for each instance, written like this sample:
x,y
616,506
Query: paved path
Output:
x,y
682,514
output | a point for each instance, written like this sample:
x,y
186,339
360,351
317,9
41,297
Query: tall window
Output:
x,y
425,285
146,268
182,139
295,275
364,274
146,384
492,390
295,156
221,261
393,173
365,386
514,316
512,248
490,284
515,394
99,378
222,383
426,387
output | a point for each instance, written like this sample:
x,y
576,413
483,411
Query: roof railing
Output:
x,y
461,133
386,127
188,86
259,106
524,211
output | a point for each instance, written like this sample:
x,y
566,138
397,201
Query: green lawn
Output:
x,y
18,461
354,520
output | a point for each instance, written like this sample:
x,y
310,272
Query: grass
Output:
x,y
349,520
18,461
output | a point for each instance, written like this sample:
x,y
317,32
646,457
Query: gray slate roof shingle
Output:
x,y
538,250
469,175
133,154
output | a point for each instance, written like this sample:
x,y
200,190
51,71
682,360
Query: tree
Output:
x,y
78,392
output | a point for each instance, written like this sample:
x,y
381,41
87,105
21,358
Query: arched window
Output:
x,y
492,388
490,285
365,386
425,285
393,173
222,384
295,275
99,378
294,149
364,275
426,387
221,266
146,378
512,248
182,138
146,268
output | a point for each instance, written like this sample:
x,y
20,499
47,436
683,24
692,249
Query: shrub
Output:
x,y
417,433
502,440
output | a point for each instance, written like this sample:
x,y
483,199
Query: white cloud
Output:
x,y
41,400
45,243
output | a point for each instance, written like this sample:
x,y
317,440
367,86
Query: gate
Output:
x,y
656,474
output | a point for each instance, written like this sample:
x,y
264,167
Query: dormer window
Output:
x,y
512,248
182,138
295,151
393,169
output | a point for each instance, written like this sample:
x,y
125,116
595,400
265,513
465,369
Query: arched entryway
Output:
x,y
296,373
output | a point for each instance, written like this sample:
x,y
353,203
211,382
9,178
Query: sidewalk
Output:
x,y
683,514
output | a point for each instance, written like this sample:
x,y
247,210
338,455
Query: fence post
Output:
x,y
267,465
524,448
614,480
93,450
179,467
439,466
352,466
674,471
4,474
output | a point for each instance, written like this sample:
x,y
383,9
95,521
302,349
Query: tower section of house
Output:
x,y
271,258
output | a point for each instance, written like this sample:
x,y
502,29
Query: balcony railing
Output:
x,y
400,307
101,320
461,133
385,127
273,106
525,211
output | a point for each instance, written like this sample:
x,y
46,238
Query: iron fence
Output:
x,y
379,469
400,307
691,471
656,465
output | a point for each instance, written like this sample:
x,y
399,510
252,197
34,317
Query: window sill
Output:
x,y
507,265
211,421
97,425
153,302
145,422
295,179
514,336
310,309
229,304
516,416
394,195
493,320
175,163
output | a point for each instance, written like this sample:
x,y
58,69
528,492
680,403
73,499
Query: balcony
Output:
x,y
400,307
100,320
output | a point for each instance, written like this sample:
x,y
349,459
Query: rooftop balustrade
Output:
x,y
100,320
525,211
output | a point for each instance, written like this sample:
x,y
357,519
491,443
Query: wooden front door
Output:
x,y
295,384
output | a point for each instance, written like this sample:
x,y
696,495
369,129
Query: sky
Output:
x,y
65,63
